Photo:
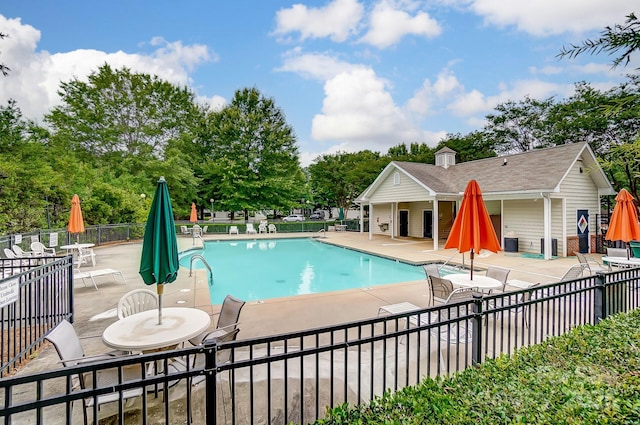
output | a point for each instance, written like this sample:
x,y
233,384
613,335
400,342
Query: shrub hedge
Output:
x,y
590,375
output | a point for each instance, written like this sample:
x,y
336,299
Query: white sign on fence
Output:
x,y
9,291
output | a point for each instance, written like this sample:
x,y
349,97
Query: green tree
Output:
x,y
4,68
337,179
251,157
127,129
621,39
517,126
469,147
25,174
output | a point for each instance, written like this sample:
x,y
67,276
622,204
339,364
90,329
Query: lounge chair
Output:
x,y
69,348
184,230
39,249
576,271
136,301
250,229
92,274
272,228
204,229
20,252
234,230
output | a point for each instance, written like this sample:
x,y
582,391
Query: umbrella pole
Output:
x,y
471,256
160,288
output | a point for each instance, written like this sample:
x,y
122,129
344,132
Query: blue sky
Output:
x,y
348,74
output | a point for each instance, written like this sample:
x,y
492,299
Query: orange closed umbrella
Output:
x,y
76,222
194,214
472,229
623,225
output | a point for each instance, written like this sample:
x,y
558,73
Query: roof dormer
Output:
x,y
445,157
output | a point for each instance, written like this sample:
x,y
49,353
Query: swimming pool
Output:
x,y
260,269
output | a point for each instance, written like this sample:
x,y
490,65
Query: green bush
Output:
x,y
588,376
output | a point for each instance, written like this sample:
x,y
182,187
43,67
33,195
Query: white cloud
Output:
x,y
359,112
35,76
337,20
426,96
388,23
318,66
549,17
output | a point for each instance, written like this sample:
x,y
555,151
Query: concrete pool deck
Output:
x,y
95,309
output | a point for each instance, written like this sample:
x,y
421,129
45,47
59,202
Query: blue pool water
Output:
x,y
260,269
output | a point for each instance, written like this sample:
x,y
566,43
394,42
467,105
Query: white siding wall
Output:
x,y
408,190
525,219
580,193
381,214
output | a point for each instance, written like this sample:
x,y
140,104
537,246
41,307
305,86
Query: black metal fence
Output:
x,y
293,377
35,295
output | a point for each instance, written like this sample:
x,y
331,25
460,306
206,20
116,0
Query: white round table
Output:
x,y
77,245
141,332
479,281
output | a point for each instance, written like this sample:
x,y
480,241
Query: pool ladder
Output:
x,y
201,258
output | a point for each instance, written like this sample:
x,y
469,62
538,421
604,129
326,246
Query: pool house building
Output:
x,y
540,201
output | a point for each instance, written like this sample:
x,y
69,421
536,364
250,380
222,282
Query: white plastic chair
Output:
x,y
136,301
39,249
262,228
85,255
20,252
234,229
272,228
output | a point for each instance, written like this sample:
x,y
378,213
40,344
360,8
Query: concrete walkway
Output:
x,y
95,309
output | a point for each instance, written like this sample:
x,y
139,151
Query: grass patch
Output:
x,y
588,376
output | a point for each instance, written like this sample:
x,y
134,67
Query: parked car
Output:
x,y
317,216
294,217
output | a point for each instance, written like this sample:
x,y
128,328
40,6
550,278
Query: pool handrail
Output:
x,y
201,258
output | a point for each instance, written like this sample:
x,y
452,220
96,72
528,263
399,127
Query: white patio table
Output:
x,y
479,281
621,261
141,332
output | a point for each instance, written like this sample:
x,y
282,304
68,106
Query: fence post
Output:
x,y
476,326
600,298
210,372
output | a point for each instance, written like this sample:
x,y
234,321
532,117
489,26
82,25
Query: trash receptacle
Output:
x,y
510,244
554,246
635,248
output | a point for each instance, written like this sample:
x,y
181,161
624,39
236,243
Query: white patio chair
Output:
x,y
39,249
234,230
85,255
136,301
272,228
17,249
262,227
250,229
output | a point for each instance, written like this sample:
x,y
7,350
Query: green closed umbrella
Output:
x,y
159,262
341,214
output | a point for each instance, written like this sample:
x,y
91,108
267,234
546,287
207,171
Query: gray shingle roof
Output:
x,y
541,169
